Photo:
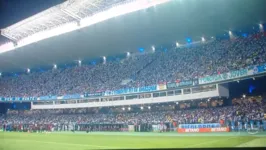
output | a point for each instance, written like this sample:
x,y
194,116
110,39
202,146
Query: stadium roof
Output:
x,y
170,22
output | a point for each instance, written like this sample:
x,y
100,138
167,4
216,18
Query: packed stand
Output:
x,y
143,69
243,110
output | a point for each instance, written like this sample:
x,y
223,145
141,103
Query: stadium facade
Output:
x,y
69,110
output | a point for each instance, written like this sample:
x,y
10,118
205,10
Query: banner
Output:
x,y
224,76
93,94
161,87
183,83
205,125
47,98
202,130
131,90
261,69
18,98
74,96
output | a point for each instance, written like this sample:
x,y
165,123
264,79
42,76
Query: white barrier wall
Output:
x,y
175,98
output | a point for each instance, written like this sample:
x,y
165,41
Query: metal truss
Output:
x,y
68,16
69,11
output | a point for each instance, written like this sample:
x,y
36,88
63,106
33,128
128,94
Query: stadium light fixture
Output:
x,y
104,60
28,70
244,96
55,66
212,37
149,107
153,48
79,62
202,39
0,74
128,54
123,108
176,103
141,107
129,108
261,27
176,44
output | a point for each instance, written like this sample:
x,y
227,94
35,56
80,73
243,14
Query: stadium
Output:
x,y
133,74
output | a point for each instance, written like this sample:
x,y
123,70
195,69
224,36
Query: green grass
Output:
x,y
82,141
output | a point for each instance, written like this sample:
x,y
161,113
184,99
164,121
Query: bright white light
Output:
x,y
176,103
79,62
231,35
212,37
176,44
141,107
208,99
128,54
55,66
129,108
120,10
47,34
104,60
244,96
28,70
149,107
6,47
153,48
202,39
0,74
261,27
123,108
115,11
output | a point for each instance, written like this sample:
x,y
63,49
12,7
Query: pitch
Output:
x,y
115,140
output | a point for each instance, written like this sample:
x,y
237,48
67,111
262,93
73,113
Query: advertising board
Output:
x,y
202,130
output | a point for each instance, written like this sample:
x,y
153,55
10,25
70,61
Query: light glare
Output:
x,y
153,48
71,26
202,39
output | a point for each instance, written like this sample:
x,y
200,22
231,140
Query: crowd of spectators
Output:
x,y
245,110
144,69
